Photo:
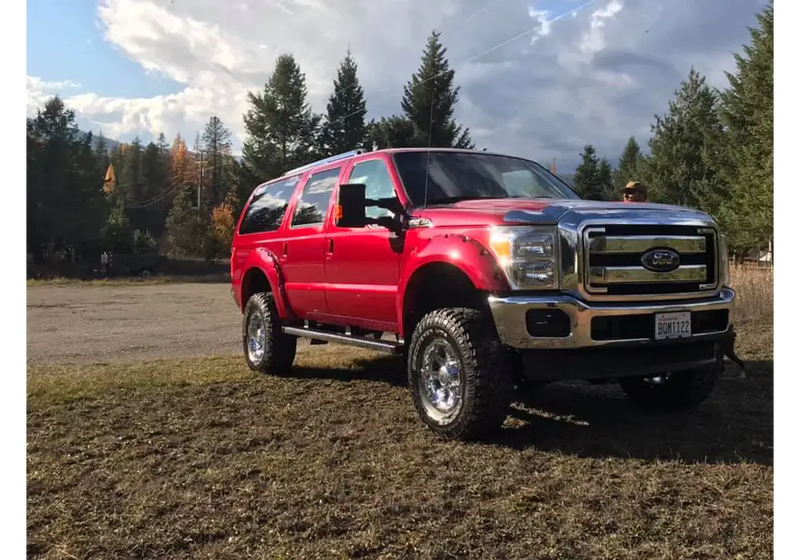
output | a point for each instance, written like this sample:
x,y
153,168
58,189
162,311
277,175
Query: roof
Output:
x,y
353,153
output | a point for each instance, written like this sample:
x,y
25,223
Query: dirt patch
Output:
x,y
118,323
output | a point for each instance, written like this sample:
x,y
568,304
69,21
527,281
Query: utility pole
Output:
x,y
200,182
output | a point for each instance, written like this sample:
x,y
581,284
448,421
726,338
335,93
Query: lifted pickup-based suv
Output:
x,y
490,272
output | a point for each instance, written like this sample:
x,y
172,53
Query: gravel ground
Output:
x,y
85,324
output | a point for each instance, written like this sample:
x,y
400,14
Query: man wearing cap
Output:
x,y
634,191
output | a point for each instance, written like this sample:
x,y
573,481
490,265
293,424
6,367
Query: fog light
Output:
x,y
548,323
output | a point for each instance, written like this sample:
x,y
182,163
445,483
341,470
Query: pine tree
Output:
x,y
747,113
344,129
282,130
182,226
65,203
682,167
392,132
130,176
628,165
587,175
148,215
429,100
605,179
117,155
117,233
162,144
102,155
216,152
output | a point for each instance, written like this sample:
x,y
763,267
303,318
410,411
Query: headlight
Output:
x,y
724,263
527,255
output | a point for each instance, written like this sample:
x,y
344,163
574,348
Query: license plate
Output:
x,y
673,325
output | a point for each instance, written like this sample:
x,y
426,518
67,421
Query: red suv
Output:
x,y
490,272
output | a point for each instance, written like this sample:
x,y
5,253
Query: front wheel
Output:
x,y
266,347
674,390
459,373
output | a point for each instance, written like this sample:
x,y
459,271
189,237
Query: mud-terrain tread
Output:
x,y
487,367
281,348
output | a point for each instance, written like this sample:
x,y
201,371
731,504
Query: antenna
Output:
x,y
330,159
430,140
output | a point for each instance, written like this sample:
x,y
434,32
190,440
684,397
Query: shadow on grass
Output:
x,y
381,369
734,425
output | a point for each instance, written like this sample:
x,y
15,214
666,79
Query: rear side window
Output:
x,y
268,206
316,198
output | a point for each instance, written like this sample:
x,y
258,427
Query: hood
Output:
x,y
551,211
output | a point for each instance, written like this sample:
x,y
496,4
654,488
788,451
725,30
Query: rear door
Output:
x,y
302,252
362,265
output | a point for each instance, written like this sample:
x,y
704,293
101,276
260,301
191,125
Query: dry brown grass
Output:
x,y
202,459
754,294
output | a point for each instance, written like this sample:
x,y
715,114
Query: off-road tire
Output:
x,y
682,390
279,348
485,366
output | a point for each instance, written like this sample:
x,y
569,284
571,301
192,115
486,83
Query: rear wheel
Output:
x,y
459,373
266,347
674,390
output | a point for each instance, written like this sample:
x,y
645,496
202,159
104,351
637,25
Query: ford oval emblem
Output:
x,y
661,260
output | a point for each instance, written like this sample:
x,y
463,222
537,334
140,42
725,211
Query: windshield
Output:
x,y
458,176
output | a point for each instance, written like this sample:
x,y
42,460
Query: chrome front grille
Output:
x,y
613,264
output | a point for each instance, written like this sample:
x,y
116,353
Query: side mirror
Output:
x,y
351,208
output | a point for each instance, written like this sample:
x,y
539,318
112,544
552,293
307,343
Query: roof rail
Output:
x,y
330,159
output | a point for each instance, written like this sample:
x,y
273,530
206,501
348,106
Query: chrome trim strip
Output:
x,y
575,227
509,317
683,244
636,274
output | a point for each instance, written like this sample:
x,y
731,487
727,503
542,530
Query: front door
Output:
x,y
362,265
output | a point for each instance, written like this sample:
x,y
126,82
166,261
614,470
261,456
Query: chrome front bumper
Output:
x,y
510,318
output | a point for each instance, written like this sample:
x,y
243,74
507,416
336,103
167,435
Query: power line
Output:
x,y
479,55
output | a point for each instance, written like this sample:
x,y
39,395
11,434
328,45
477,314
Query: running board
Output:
x,y
371,344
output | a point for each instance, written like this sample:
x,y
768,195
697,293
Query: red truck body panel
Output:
x,y
360,276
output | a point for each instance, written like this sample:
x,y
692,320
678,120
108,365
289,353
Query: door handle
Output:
x,y
285,250
330,246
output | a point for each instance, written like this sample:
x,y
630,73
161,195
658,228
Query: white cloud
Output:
x,y
38,91
596,76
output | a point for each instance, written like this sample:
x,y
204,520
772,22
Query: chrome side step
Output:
x,y
361,342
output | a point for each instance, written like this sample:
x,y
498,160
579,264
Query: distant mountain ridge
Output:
x,y
110,144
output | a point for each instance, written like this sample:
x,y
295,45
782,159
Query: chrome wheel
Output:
x,y
256,337
440,381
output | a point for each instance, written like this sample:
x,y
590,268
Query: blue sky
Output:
x,y
65,43
598,77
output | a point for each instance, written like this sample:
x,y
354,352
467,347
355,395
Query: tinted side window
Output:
x,y
375,176
313,204
266,211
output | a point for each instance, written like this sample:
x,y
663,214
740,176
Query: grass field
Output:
x,y
200,458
